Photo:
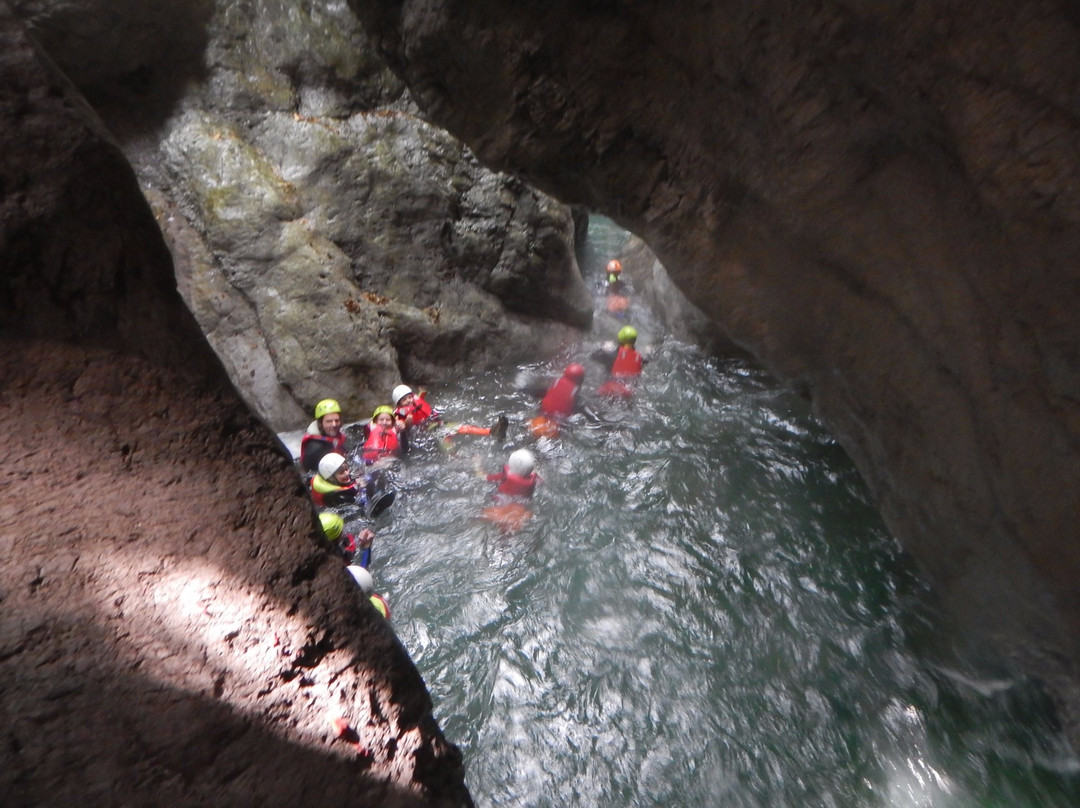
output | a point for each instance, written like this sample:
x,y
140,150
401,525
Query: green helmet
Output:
x,y
627,334
381,409
325,407
332,524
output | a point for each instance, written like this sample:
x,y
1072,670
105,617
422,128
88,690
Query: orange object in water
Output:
x,y
470,429
510,517
543,426
618,303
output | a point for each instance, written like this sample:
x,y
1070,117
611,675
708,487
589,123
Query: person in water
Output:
x,y
628,361
383,436
333,486
347,544
366,582
615,288
518,477
561,398
324,435
412,409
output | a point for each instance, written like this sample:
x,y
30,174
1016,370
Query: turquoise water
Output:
x,y
704,609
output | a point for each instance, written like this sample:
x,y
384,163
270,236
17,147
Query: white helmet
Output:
x,y
521,463
363,579
399,393
330,464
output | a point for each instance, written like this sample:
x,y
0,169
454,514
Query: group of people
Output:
x,y
336,483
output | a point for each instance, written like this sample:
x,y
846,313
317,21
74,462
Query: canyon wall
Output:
x,y
880,201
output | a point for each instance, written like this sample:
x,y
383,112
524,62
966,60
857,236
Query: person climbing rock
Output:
x,y
382,437
324,435
366,582
518,477
347,544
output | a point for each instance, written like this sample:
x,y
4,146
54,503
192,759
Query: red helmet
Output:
x,y
614,266
575,373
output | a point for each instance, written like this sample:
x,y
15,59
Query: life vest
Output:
x,y
315,445
381,443
515,485
628,362
560,399
326,494
420,411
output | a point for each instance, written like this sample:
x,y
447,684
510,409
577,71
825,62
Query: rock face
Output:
x,y
328,240
174,632
881,201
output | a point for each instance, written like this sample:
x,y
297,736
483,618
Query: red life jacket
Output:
x,y
560,399
515,485
313,447
420,411
628,362
381,443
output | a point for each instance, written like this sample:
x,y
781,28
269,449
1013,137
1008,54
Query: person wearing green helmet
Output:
x,y
324,435
628,362
347,544
382,437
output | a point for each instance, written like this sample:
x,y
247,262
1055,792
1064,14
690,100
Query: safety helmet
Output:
x,y
575,373
614,266
381,409
363,579
330,464
521,463
332,524
325,407
627,334
399,393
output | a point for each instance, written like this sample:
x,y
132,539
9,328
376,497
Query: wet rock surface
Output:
x,y
878,201
174,632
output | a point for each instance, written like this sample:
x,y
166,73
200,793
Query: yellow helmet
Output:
x,y
627,334
332,524
325,407
381,409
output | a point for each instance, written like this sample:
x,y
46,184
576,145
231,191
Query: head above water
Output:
x,y
575,373
363,579
328,416
332,524
330,465
384,409
627,335
521,463
399,393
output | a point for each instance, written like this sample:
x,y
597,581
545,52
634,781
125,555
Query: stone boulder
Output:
x,y
175,631
328,239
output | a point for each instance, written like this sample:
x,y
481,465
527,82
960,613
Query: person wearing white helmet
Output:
x,y
334,487
411,409
324,435
366,582
518,477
